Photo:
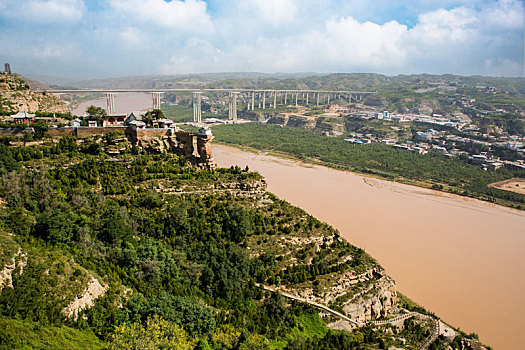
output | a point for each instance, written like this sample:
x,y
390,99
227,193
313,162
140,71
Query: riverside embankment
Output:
x,y
461,258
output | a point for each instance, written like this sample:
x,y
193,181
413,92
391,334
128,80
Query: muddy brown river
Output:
x,y
124,103
461,258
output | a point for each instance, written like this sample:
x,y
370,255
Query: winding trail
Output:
x,y
317,305
433,336
426,344
397,319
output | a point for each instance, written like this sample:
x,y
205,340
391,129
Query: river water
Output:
x,y
125,103
461,258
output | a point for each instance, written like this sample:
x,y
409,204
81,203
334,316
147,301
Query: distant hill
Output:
x,y
305,80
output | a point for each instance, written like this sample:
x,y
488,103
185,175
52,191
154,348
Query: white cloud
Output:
x,y
180,36
43,11
351,43
504,14
198,55
273,12
134,38
467,41
344,44
189,15
458,24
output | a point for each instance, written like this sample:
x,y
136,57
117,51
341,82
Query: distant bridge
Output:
x,y
296,97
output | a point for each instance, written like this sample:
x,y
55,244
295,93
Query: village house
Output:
x,y
114,120
135,115
76,123
23,118
137,125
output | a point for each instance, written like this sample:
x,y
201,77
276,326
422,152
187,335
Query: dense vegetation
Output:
x,y
184,113
170,245
431,170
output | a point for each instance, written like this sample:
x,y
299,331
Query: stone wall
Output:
x,y
61,132
15,132
85,131
140,133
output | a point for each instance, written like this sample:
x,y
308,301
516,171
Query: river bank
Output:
x,y
459,257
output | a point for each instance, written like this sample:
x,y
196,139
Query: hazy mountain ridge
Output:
x,y
333,81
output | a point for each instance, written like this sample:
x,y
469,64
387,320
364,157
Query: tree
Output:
x,y
158,334
96,113
153,115
40,128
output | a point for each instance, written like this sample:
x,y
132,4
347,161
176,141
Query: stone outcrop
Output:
x,y
195,147
374,302
19,260
16,95
93,291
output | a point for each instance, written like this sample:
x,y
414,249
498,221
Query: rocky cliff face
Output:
x,y
373,302
16,95
196,148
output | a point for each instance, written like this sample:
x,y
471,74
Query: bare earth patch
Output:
x,y
514,185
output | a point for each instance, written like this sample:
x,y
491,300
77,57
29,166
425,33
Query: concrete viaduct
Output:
x,y
254,99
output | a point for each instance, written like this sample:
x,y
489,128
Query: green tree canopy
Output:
x,y
96,113
153,115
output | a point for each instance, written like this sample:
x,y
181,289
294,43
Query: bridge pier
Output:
x,y
197,112
253,100
232,108
307,98
275,99
285,98
156,100
296,99
264,100
318,99
110,103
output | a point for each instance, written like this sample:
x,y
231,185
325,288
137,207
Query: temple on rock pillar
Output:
x,y
204,138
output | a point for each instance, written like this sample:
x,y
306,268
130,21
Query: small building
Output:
x,y
205,132
478,158
76,123
135,115
493,166
114,120
165,123
92,123
23,118
424,136
438,149
137,125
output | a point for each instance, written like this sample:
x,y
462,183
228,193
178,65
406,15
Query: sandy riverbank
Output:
x,y
459,257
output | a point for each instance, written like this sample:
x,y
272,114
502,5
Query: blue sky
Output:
x,y
109,38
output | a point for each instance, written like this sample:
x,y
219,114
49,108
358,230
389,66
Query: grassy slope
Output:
x,y
17,334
